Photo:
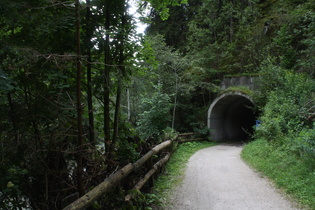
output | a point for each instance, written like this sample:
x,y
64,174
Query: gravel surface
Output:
x,y
216,178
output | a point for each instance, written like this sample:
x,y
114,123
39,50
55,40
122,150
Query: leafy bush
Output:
x,y
305,142
283,112
168,134
11,195
156,115
127,151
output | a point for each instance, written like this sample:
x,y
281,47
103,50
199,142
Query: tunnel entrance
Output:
x,y
231,117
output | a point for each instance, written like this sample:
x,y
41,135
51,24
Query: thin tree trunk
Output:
x,y
121,74
89,73
231,28
175,101
79,106
116,117
106,83
13,119
128,104
231,23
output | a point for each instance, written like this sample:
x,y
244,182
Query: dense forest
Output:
x,y
82,93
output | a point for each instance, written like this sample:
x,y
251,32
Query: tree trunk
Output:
x,y
89,72
107,82
121,74
116,117
128,104
232,22
79,106
13,119
175,101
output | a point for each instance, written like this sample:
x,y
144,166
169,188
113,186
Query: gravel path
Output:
x,y
217,179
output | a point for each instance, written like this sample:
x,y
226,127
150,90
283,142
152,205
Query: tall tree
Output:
x,y
107,137
88,47
78,94
175,28
121,73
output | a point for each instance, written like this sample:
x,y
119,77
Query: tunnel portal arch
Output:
x,y
231,117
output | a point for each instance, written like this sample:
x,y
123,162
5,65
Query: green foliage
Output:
x,y
175,28
221,39
290,173
168,134
283,111
292,34
284,149
156,115
127,151
141,201
271,77
174,170
38,82
287,53
162,6
11,188
242,89
305,145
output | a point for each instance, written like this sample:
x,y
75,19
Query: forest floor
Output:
x,y
216,178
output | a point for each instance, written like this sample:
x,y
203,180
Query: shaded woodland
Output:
x,y
82,94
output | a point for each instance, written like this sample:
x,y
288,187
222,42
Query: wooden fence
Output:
x,y
114,179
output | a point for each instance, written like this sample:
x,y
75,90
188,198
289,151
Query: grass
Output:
x,y
174,171
294,176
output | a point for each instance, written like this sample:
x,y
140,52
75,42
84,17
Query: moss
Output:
x,y
242,89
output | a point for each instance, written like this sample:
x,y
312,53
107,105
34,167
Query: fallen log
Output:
x,y
140,184
87,199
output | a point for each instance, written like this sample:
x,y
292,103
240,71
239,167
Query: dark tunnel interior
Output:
x,y
232,118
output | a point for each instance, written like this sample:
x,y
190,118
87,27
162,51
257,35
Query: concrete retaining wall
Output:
x,y
248,81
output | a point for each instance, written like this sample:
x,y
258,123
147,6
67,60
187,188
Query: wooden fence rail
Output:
x,y
114,179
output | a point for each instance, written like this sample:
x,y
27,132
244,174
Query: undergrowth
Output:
x,y
174,171
289,172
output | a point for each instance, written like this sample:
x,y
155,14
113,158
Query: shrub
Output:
x,y
156,115
283,113
305,142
